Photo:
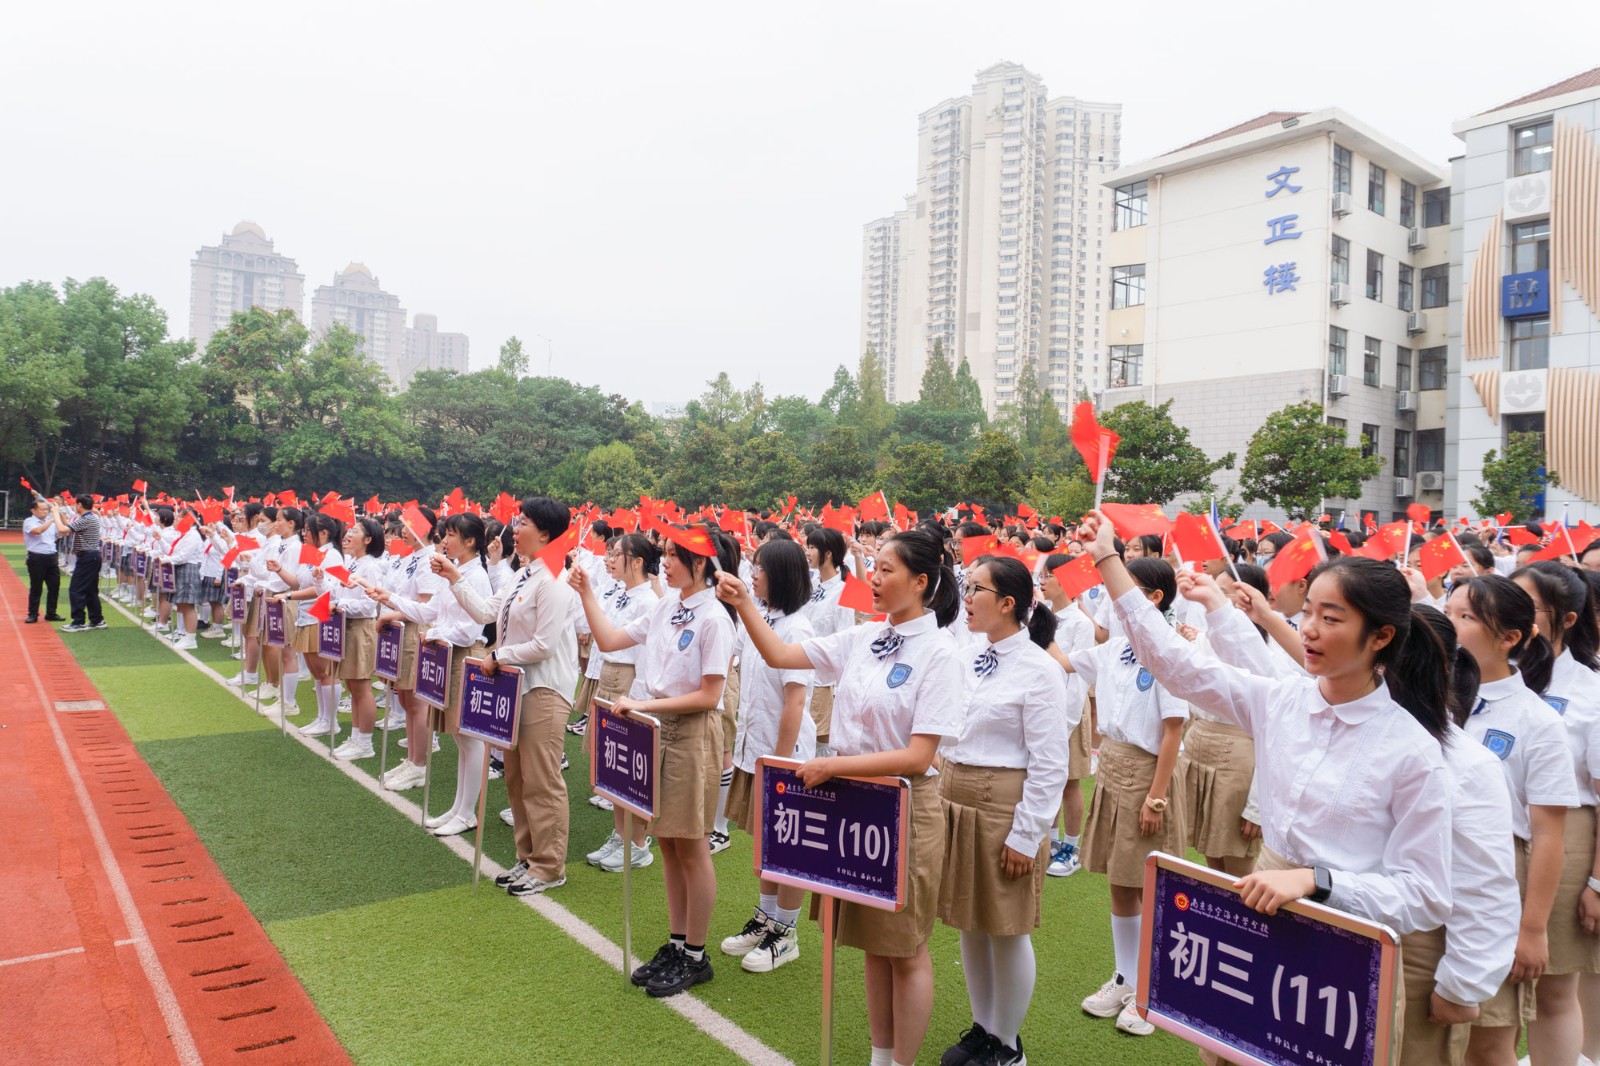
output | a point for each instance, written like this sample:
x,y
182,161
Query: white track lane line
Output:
x,y
43,955
718,1027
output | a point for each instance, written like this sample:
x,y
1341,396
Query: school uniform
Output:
x,y
360,620
211,572
1075,632
890,684
762,713
1574,692
183,555
414,579
827,618
594,660
1219,758
305,634
682,640
618,669
1001,784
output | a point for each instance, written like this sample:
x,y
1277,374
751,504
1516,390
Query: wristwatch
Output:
x,y
1157,805
1324,883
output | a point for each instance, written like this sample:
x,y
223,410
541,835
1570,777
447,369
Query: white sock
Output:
x,y
1073,841
1125,946
291,692
469,772
329,711
364,739
721,824
769,905
977,965
788,917
1014,977
883,1056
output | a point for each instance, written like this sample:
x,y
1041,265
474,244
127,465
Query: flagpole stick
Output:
x,y
828,906
1566,531
333,733
1100,482
477,844
627,899
1406,554
427,767
388,709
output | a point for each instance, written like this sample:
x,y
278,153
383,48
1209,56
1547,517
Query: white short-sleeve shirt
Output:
x,y
674,658
1574,692
761,697
1130,704
1527,736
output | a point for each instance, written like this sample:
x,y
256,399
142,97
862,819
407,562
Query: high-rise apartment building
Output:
x,y
243,271
428,349
356,300
997,257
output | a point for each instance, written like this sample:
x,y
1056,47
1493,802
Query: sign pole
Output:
x,y
829,908
427,768
483,797
333,733
388,709
627,899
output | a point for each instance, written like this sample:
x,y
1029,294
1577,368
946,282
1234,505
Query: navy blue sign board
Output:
x,y
230,576
433,673
277,623
330,636
141,564
844,838
491,704
169,578
625,759
238,606
387,667
1308,985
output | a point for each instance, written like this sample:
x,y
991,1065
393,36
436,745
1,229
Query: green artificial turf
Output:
x,y
375,918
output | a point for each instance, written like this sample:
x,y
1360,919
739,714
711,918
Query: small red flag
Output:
x,y
1419,512
1078,576
1194,539
973,546
1137,519
311,556
694,539
185,524
856,594
247,544
338,573
227,490
140,486
1567,542
456,502
875,508
554,555
1094,442
1504,518
842,519
1342,542
29,487
1519,536
322,610
233,553
399,547
1436,557
1295,560
211,513
416,522
732,520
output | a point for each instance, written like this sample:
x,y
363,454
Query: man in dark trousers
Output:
x,y
84,592
44,566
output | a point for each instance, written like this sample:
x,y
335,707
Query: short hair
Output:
x,y
548,516
788,575
829,542
85,500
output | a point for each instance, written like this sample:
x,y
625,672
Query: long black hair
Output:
x,y
1564,591
638,546
1256,577
1505,607
468,526
1465,677
1012,579
788,575
1155,575
921,551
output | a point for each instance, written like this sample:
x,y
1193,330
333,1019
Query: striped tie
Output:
x,y
682,616
816,597
984,664
887,644
505,610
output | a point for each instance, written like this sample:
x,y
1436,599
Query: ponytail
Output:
x,y
1041,625
1011,579
1465,677
922,552
1505,606
1155,574
1565,591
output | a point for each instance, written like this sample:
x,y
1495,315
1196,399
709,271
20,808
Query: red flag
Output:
x,y
1296,559
695,539
416,522
973,546
1567,542
1078,576
789,505
211,513
1419,512
322,610
842,519
875,507
554,555
1094,442
456,502
28,486
227,490
732,520
1519,536
1503,518
1342,542
310,556
185,524
1195,540
856,594
247,544
399,547
140,486
338,573
1436,557
1024,511
343,510
1136,519
373,505
233,553
1386,541
902,516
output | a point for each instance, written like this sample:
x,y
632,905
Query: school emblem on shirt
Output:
x,y
898,675
1144,680
1499,743
1558,702
1094,593
685,639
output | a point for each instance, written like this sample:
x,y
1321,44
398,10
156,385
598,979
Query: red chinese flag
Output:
x,y
623,519
1295,560
974,546
554,556
287,498
140,486
311,556
1419,512
1436,557
1094,442
1341,542
233,553
185,524
322,610
1194,539
373,506
415,521
247,544
1503,518
1386,541
695,539
398,547
1078,576
1567,542
343,510
456,502
842,519
875,508
211,513
856,594
338,573
732,520
28,486
1024,511
1136,519
788,505
227,490
1519,535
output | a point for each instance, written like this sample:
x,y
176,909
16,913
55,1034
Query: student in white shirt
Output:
x,y
281,664
414,579
1495,624
306,584
1075,631
825,549
363,552
1001,784
898,696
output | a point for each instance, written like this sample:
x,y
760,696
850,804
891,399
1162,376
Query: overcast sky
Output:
x,y
664,191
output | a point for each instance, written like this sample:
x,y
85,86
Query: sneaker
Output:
x,y
975,1046
410,776
1109,1001
532,886
402,742
599,855
744,941
354,749
496,771
512,874
580,727
229,642
1000,1055
186,643
779,946
564,763
506,817
720,842
212,633
344,706
680,974
99,625
1130,1021
316,728
72,627
396,720
54,618
237,655
639,857
664,954
1063,860
600,801
456,826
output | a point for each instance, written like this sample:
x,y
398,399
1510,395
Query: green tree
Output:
x,y
874,414
1155,462
701,470
513,360
1513,480
994,470
938,388
1296,460
613,476
1054,493
841,396
918,476
38,375
769,469
938,416
839,469
969,397
797,418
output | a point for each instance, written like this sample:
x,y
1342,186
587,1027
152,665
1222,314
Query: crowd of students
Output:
x,y
1419,752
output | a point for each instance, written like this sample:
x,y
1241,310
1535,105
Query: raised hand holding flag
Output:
x,y
1096,444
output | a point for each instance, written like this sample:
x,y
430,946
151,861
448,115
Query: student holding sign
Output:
x,y
1000,785
305,578
687,642
363,550
898,687
415,580
281,665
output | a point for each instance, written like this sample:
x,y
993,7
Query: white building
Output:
x,y
428,349
997,256
242,271
1524,333
1293,257
356,300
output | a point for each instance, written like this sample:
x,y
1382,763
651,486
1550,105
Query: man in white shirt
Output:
x,y
44,567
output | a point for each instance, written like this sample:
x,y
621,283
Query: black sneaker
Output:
x,y
680,974
664,954
54,618
72,627
972,1047
99,625
511,875
1000,1055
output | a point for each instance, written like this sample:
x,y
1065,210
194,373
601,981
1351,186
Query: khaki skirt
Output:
x,y
1422,1043
448,720
585,697
252,613
1571,949
1512,1004
360,649
407,679
1080,750
822,710
730,708
615,681
1217,762
741,799
689,767
885,933
305,639
1112,843
979,804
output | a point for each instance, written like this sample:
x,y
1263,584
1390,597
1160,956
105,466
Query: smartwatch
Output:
x,y
1324,885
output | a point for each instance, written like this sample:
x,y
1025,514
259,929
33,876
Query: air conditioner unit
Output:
x,y
1416,322
1417,238
1338,385
1405,401
1343,203
1402,488
1339,294
1430,480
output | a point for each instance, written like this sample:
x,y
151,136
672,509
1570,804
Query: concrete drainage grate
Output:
x,y
80,705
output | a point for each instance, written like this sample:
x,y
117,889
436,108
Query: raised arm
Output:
x,y
778,655
607,636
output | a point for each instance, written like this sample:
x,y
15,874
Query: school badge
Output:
x,y
686,639
1499,743
898,675
1144,680
1558,702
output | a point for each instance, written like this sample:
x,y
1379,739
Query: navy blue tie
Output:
x,y
887,644
683,615
984,664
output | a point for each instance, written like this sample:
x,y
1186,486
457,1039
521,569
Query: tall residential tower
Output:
x,y
241,272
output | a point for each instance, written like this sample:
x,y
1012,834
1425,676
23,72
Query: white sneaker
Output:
x,y
640,857
269,693
1109,1001
505,816
229,642
148,612
213,632
1063,860
779,947
243,680
600,801
186,643
599,855
317,728
720,842
1130,1021
344,706
402,742
456,826
395,720
744,941
354,749
237,655
409,776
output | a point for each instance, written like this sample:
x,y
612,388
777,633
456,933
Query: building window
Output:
x,y
1436,208
1339,272
1127,286
1431,450
1342,426
1372,362
1369,439
1374,275
1131,205
1402,453
1338,343
1402,369
1431,364
1377,178
1408,203
1524,424
1341,169
1530,343
1531,148
1530,246
1127,365
1436,286
1403,283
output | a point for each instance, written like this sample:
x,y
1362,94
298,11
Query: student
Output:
x,y
305,585
1143,546
39,532
281,665
184,557
1000,787
1494,622
415,580
687,641
1074,632
825,550
773,720
1137,806
1437,595
897,697
363,553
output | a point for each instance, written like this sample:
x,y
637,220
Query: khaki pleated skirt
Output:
x,y
979,804
305,638
1571,949
1218,761
730,708
689,769
901,935
615,681
1080,751
407,679
1513,1004
583,702
360,649
448,719
1422,1043
822,710
740,807
1112,843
